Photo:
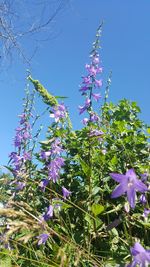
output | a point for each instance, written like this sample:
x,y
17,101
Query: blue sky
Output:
x,y
59,62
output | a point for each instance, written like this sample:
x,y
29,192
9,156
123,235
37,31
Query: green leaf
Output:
x,y
114,160
89,219
97,209
62,204
96,190
85,167
46,142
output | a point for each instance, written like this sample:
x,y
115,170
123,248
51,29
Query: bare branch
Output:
x,y
21,18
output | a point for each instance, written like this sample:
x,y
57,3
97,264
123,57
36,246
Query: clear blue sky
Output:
x,y
59,62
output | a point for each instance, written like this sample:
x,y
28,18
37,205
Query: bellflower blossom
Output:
x,y
129,184
56,147
49,213
43,184
140,256
54,168
144,177
94,117
95,132
146,213
98,83
143,199
16,160
66,192
45,154
85,107
58,112
96,96
42,239
20,185
85,121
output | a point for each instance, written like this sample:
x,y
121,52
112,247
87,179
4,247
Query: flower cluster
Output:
x,y
58,112
54,161
21,155
90,82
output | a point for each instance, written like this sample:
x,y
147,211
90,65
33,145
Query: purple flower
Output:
x,y
128,184
26,135
104,151
96,96
56,147
49,214
20,185
87,80
143,199
42,239
99,70
98,83
95,132
87,105
91,69
58,112
144,177
66,192
27,156
140,255
85,121
16,160
45,154
54,168
94,117
95,59
84,88
43,184
18,140
23,117
146,213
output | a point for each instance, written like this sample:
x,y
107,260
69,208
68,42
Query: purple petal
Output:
x,y
131,173
118,177
119,190
140,186
96,96
85,121
98,83
137,249
131,196
82,109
